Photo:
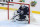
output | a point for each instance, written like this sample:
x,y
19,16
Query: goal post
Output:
x,y
13,7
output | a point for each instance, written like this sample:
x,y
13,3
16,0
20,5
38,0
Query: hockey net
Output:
x,y
13,6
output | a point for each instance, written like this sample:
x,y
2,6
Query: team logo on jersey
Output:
x,y
33,3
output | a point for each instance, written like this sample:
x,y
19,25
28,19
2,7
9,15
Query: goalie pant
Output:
x,y
25,12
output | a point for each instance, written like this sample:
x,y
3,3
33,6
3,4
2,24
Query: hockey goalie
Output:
x,y
22,14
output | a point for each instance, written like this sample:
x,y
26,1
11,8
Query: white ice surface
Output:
x,y
11,24
5,23
37,18
3,15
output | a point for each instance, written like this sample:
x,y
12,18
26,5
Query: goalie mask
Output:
x,y
23,6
